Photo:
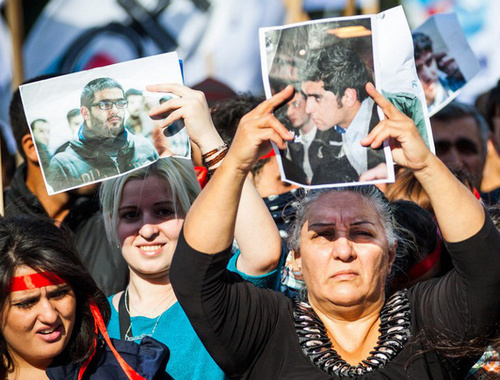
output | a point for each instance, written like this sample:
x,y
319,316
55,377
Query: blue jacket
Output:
x,y
149,359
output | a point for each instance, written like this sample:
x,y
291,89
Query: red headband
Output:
x,y
35,280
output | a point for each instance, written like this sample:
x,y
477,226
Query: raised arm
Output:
x,y
458,212
256,232
216,208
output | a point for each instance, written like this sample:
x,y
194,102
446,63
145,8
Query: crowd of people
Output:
x,y
215,268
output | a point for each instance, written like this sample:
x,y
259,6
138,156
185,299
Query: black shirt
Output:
x,y
250,332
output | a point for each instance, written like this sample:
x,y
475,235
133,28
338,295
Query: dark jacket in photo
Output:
x,y
88,160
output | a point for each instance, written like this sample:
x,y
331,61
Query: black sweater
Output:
x,y
250,332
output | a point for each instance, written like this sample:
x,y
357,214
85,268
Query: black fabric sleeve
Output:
x,y
233,318
465,302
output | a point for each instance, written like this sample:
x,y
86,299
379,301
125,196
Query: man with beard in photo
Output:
x,y
103,147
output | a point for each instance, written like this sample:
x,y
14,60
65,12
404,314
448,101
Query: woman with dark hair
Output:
x,y
345,242
51,311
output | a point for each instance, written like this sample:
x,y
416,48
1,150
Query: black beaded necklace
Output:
x,y
394,331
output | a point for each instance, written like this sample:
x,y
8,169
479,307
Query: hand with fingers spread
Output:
x,y
256,129
192,107
407,146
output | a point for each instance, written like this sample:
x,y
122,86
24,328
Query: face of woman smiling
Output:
x,y
344,252
37,323
148,227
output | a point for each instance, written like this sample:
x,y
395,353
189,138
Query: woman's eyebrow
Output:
x,y
362,222
25,298
58,289
320,224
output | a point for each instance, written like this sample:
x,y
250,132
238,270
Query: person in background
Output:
x,y
41,136
461,137
138,122
75,120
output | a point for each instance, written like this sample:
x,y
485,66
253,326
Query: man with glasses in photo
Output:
x,y
103,147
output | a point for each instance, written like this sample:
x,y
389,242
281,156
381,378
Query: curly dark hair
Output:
x,y
39,244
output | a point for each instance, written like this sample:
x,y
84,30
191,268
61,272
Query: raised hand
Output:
x,y
192,107
256,129
407,146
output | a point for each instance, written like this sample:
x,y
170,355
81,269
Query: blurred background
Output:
x,y
216,39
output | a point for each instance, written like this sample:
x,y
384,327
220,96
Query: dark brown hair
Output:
x,y
39,244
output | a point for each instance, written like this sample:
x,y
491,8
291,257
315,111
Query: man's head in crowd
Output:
x,y
226,116
135,101
103,107
333,81
461,136
493,115
41,131
75,119
296,112
19,124
426,65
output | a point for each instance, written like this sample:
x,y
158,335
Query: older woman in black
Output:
x,y
345,242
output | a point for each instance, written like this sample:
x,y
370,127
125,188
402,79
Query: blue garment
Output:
x,y
269,280
188,357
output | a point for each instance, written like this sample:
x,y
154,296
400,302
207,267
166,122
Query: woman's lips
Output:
x,y
345,274
50,335
151,250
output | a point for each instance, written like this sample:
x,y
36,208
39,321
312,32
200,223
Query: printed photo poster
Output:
x,y
444,60
93,125
329,63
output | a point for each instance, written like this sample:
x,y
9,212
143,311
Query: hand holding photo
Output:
x,y
329,63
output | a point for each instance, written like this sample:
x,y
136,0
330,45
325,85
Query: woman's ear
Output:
x,y
296,260
392,257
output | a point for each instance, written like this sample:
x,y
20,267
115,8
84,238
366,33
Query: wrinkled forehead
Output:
x,y
342,208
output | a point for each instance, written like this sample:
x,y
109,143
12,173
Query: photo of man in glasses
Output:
x,y
103,147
